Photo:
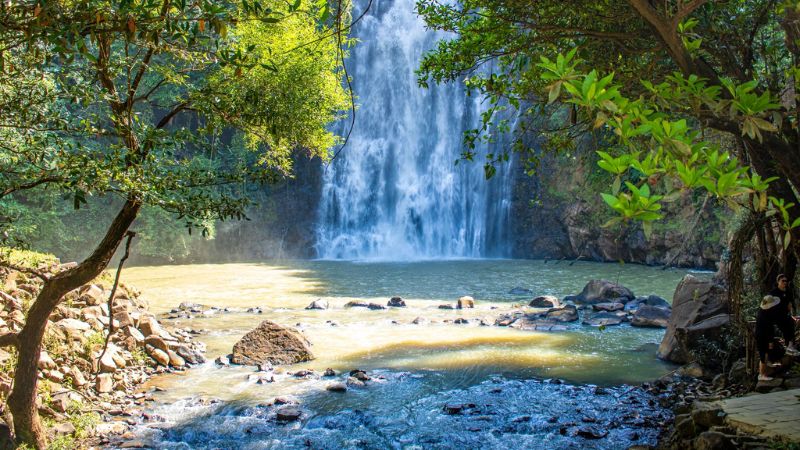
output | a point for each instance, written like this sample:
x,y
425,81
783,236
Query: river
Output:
x,y
416,368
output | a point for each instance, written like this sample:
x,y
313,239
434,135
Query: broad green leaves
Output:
x,y
653,144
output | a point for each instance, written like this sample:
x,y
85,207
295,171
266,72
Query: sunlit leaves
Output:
x,y
653,144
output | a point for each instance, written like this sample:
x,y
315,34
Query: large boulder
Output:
x,y
272,343
651,316
601,291
694,301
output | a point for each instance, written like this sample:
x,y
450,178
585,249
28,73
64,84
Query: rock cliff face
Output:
x,y
558,213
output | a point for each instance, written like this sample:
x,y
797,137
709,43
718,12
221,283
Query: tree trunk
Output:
x,y
22,400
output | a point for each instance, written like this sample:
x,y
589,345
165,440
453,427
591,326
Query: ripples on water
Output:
x,y
498,413
426,366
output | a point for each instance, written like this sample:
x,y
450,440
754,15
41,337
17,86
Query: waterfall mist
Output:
x,y
395,192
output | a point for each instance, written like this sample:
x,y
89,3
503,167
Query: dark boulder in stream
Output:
x,y
271,343
601,291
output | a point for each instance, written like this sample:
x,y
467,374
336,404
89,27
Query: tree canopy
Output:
x,y
689,93
168,104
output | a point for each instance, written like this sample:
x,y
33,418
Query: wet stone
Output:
x,y
288,414
354,382
285,401
591,433
359,375
336,387
453,408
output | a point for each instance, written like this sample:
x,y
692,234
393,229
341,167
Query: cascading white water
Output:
x,y
395,192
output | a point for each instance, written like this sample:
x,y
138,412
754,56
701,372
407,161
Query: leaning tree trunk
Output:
x,y
22,400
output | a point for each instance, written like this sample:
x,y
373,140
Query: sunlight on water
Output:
x,y
415,368
347,338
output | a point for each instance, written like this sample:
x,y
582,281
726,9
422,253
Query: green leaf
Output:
x,y
611,200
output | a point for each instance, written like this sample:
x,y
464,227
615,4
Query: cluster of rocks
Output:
x,y
73,363
603,303
699,422
463,302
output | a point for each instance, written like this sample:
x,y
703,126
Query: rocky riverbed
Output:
x,y
497,413
86,375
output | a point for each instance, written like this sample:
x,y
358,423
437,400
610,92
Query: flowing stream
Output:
x,y
416,369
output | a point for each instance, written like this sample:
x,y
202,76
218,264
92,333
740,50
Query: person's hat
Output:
x,y
769,301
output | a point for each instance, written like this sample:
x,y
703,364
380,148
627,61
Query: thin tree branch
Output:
x,y
177,109
686,10
41,275
32,184
130,235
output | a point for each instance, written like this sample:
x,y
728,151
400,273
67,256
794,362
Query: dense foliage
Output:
x,y
158,104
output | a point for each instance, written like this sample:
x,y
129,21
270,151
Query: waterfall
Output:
x,y
395,192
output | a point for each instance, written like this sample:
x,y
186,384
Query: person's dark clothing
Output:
x,y
783,320
766,320
787,298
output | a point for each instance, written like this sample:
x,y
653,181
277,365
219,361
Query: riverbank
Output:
x,y
87,374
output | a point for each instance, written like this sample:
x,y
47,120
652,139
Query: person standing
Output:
x,y
786,307
766,319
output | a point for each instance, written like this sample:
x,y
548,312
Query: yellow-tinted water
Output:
x,y
348,338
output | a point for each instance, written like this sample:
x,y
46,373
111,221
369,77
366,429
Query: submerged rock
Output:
x,y
591,433
288,413
651,300
453,408
336,387
356,304
272,343
565,314
520,291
